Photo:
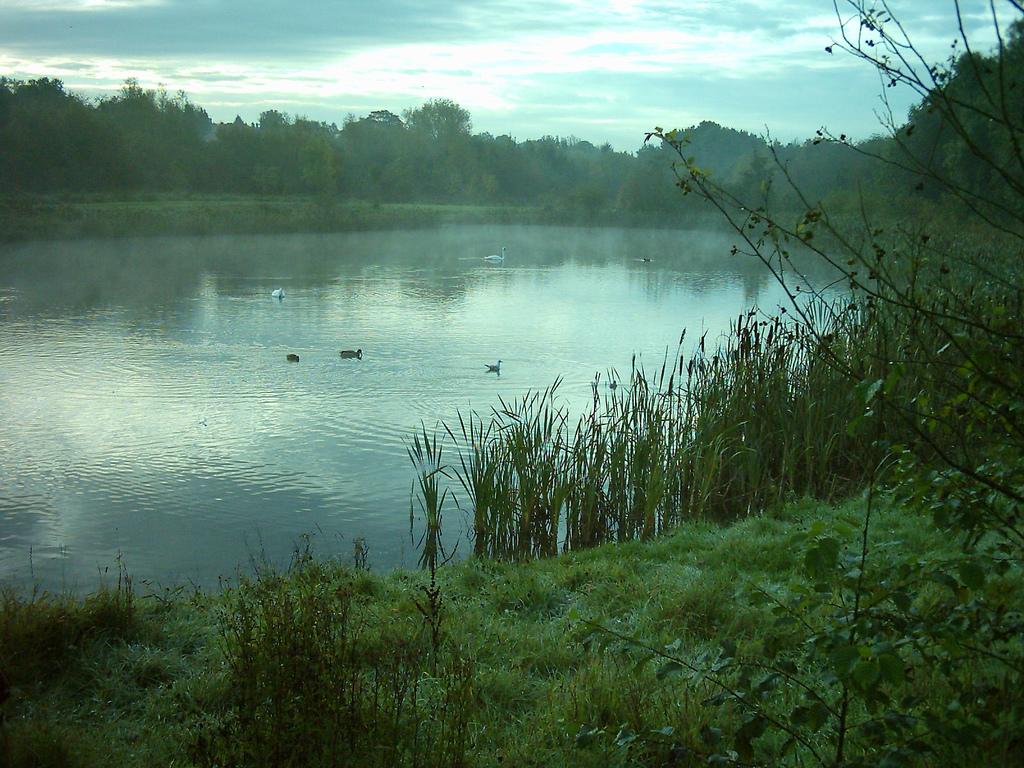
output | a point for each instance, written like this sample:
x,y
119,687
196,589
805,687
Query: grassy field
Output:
x,y
490,665
67,217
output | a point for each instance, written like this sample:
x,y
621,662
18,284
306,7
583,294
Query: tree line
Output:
x,y
139,140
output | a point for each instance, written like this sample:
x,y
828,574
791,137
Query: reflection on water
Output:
x,y
148,407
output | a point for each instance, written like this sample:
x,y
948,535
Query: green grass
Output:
x,y
68,218
326,665
71,216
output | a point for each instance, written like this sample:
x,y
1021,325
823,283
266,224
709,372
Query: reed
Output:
x,y
723,433
426,454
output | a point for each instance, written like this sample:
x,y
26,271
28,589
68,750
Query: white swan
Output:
x,y
277,293
496,368
496,256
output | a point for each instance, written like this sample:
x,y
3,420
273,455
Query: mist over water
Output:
x,y
149,409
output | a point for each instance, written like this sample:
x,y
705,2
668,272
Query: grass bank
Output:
x,y
489,664
68,217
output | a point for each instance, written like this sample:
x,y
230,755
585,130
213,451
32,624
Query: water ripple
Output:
x,y
149,408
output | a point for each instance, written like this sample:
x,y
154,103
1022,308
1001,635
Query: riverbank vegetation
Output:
x,y
100,216
716,601
743,424
138,143
326,664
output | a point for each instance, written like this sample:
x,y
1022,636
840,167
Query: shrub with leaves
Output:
x,y
873,658
877,658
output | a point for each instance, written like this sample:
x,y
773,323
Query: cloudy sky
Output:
x,y
603,70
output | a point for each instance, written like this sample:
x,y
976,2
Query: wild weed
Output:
x,y
315,677
37,632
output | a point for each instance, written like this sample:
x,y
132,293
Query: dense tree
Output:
x,y
161,136
439,120
52,140
139,139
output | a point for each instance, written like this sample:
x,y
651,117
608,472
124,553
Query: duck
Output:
x,y
352,353
277,293
496,368
496,256
292,357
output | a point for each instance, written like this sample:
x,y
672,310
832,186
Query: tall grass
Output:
x,y
315,676
768,415
39,632
426,454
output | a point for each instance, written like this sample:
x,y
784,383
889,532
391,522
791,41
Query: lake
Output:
x,y
149,411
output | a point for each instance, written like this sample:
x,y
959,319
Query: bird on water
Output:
x,y
496,256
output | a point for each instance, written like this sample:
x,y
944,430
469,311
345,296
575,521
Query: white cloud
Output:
x,y
81,5
498,58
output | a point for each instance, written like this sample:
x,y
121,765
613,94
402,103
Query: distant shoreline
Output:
x,y
69,217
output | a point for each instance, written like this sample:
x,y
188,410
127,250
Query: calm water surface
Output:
x,y
148,408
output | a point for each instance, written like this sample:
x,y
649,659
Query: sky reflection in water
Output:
x,y
148,407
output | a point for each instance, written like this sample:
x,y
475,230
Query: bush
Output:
x,y
315,677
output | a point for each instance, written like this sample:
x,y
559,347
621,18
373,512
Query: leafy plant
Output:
x,y
839,682
314,677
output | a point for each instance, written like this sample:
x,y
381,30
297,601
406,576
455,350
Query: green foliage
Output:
x,y
30,746
147,141
727,433
539,677
877,657
426,455
40,632
441,120
22,219
315,677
